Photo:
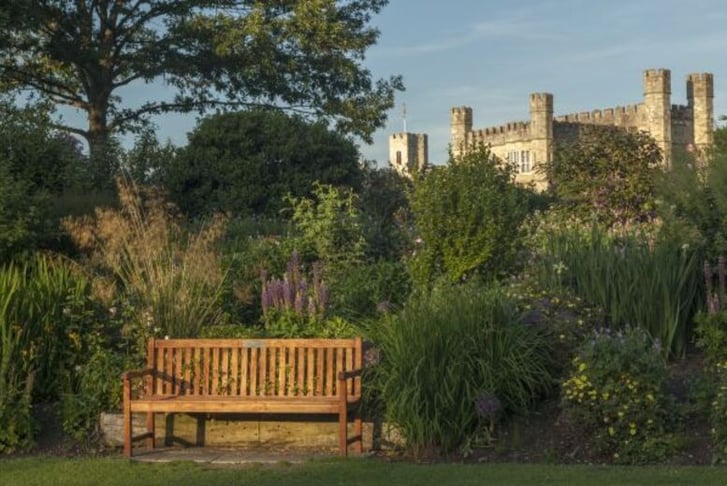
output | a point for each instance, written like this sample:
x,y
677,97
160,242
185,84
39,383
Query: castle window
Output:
x,y
524,162
398,157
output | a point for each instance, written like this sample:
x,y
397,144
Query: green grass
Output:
x,y
109,471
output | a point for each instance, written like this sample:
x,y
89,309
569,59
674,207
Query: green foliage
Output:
x,y
637,277
712,338
329,226
362,291
615,393
97,389
384,207
467,216
245,163
607,172
44,309
445,352
301,55
697,195
36,164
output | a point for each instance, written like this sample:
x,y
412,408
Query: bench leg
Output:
x,y
150,442
127,419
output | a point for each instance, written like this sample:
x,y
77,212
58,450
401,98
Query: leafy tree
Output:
x,y
222,54
246,162
467,215
384,207
608,172
36,164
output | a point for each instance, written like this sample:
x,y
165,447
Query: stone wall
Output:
x,y
245,431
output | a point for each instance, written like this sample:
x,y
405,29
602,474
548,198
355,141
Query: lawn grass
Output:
x,y
111,471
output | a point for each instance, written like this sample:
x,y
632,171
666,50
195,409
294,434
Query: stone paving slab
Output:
x,y
226,456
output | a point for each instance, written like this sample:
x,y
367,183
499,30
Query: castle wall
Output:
x,y
526,144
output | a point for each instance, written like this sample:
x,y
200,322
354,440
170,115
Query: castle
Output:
x,y
526,144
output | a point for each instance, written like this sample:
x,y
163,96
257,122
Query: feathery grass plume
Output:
x,y
170,279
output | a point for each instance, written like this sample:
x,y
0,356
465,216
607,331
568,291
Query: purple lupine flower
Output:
x,y
266,298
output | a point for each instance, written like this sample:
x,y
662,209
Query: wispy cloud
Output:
x,y
504,28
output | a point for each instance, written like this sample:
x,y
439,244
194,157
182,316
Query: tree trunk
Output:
x,y
103,156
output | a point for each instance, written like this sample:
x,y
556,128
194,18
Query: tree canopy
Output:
x,y
301,55
245,163
467,216
607,172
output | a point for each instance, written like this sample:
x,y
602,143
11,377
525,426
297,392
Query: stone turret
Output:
x,y
408,152
461,125
700,98
657,101
541,128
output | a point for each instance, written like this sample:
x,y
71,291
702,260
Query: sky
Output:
x,y
590,54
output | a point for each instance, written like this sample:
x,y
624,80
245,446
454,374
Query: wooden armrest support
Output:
x,y
129,375
345,375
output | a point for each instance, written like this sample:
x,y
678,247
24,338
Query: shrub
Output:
x,y
467,216
44,311
447,355
712,338
634,275
615,392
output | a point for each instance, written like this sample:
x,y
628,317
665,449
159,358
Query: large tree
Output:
x,y
246,162
303,55
606,172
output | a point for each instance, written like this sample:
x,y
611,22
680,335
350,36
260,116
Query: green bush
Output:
x,y
467,216
450,353
45,310
615,393
361,291
97,389
711,333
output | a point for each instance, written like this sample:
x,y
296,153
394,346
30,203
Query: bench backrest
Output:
x,y
253,367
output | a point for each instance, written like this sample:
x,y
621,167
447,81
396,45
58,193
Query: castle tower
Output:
x,y
700,98
657,100
408,152
461,125
541,130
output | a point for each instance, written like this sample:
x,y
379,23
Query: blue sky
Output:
x,y
490,55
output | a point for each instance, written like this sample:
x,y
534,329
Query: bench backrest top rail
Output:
x,y
253,367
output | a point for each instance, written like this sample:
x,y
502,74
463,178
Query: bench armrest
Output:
x,y
130,375
345,375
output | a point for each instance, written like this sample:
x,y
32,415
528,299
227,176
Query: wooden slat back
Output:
x,y
253,367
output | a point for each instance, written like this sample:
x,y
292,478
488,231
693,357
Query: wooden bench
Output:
x,y
299,376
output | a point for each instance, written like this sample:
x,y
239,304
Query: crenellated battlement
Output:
x,y
519,127
681,113
622,115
